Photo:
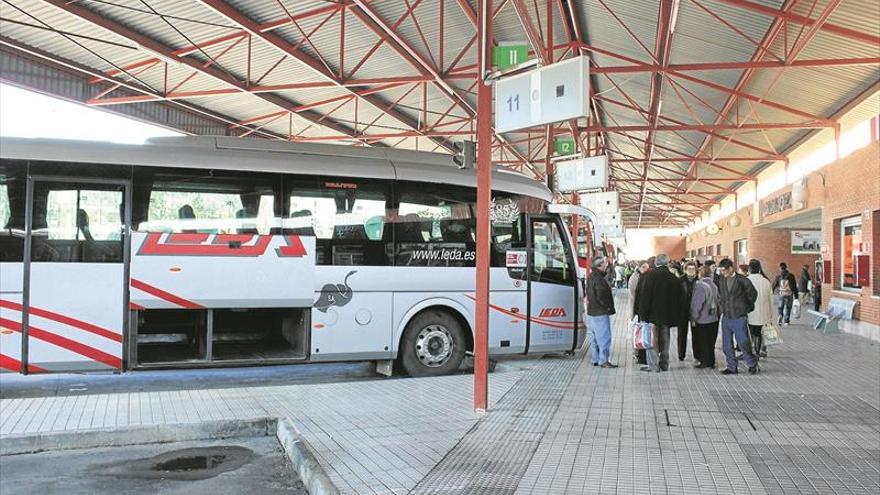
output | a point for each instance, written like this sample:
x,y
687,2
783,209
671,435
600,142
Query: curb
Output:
x,y
136,435
303,460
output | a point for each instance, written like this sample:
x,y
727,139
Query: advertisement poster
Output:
x,y
805,241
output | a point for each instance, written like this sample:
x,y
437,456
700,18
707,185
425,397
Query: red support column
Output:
x,y
484,193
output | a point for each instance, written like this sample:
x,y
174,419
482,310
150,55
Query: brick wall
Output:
x,y
846,188
674,246
852,188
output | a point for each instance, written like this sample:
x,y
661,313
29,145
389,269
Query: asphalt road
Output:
x,y
238,465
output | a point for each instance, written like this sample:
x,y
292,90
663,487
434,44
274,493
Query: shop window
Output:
x,y
718,249
851,254
710,250
741,248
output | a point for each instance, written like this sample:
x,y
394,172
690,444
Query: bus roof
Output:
x,y
231,153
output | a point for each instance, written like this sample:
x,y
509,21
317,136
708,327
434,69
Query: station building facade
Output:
x,y
828,219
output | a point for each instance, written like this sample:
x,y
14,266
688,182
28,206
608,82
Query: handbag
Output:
x,y
771,334
644,334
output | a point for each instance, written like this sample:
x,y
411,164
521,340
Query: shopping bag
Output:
x,y
771,334
796,309
644,334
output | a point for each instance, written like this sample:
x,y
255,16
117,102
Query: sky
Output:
x,y
28,114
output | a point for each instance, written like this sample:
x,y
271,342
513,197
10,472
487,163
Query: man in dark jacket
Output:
x,y
600,307
786,289
660,302
737,295
688,279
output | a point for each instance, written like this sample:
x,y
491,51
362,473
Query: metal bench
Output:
x,y
838,309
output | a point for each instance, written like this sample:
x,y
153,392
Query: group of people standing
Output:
x,y
697,300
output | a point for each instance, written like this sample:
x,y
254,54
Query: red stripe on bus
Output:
x,y
60,318
161,294
12,364
135,306
65,343
565,325
152,247
185,238
225,239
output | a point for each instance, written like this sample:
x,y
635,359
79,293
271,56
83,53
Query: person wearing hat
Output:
x,y
600,307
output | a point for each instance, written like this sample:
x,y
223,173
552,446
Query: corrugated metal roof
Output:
x,y
706,31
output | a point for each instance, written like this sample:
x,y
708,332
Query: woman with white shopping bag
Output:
x,y
763,313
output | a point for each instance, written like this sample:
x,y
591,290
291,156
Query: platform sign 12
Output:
x,y
564,146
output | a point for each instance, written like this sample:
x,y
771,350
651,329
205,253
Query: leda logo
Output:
x,y
552,312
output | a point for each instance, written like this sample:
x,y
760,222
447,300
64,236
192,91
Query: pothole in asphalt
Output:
x,y
197,463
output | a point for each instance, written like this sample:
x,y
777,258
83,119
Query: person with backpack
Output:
x,y
786,290
737,296
704,317
763,312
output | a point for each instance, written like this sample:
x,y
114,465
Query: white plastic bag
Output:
x,y
796,309
771,334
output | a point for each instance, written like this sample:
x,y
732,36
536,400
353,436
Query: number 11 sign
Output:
x,y
543,96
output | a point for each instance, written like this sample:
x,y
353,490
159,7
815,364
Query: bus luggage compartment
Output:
x,y
200,298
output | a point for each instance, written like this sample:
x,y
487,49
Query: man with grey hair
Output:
x,y
600,307
660,302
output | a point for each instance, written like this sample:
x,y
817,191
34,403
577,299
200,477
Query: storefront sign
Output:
x,y
777,204
806,241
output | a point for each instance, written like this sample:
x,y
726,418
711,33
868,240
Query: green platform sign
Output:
x,y
507,56
564,146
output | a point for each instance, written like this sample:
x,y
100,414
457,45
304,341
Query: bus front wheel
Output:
x,y
433,344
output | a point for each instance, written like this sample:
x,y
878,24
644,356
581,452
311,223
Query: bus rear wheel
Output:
x,y
433,344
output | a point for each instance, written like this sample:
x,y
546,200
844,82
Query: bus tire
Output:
x,y
433,344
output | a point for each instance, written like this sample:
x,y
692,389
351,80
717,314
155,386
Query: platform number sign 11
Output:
x,y
507,56
513,103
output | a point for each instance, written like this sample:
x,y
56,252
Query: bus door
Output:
x,y
551,286
76,258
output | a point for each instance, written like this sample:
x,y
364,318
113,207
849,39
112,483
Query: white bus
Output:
x,y
213,251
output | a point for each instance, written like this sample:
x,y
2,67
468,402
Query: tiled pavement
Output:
x,y
809,423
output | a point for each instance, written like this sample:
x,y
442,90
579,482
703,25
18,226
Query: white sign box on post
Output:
x,y
601,202
550,94
608,218
581,174
611,230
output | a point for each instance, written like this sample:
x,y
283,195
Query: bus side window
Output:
x,y
434,226
13,175
204,201
77,223
550,262
346,215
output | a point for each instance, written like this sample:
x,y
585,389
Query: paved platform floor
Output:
x,y
808,423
